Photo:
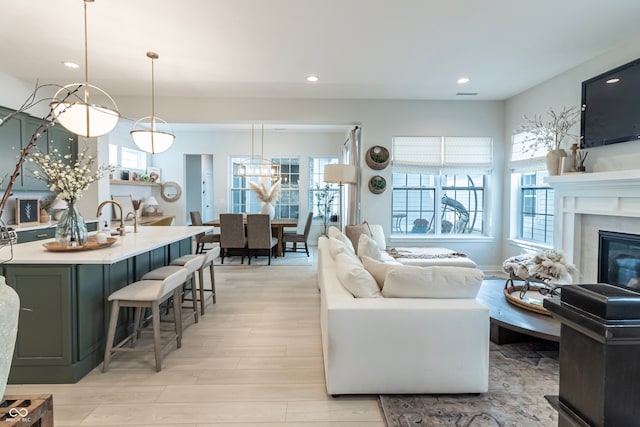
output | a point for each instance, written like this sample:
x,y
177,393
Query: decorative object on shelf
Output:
x,y
45,208
581,156
9,309
340,174
147,136
171,191
124,175
550,134
377,184
79,115
151,207
69,182
154,173
377,157
420,225
27,211
266,195
257,166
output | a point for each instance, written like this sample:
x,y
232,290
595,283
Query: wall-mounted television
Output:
x,y
611,107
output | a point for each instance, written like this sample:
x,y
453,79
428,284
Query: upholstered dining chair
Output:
x,y
202,238
259,236
232,236
295,237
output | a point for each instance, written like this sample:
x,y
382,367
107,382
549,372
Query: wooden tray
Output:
x,y
510,288
92,243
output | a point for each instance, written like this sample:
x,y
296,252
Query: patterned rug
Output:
x,y
520,375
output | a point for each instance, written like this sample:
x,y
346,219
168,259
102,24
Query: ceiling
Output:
x,y
360,49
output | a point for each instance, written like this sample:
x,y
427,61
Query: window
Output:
x,y
533,199
133,159
438,185
245,200
323,197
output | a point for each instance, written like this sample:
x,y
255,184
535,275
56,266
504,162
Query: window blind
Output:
x,y
523,160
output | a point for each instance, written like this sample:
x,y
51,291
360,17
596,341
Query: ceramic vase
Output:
x,y
555,161
268,209
71,229
9,309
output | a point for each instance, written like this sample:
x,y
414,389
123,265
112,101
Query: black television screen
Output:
x,y
611,107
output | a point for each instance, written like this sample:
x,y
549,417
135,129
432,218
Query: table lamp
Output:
x,y
340,174
58,206
151,205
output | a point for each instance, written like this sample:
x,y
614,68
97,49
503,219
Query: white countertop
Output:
x,y
146,239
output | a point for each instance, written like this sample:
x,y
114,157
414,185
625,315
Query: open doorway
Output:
x,y
199,185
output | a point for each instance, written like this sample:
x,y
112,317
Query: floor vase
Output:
x,y
9,309
71,229
555,161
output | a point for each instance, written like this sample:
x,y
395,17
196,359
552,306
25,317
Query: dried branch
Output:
x,y
265,194
550,133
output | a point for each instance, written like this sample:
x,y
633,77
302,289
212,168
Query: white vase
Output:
x,y
9,309
268,209
555,161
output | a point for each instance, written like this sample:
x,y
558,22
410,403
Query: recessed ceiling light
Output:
x,y
312,78
463,80
70,64
614,80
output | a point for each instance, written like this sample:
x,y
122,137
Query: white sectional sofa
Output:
x,y
399,345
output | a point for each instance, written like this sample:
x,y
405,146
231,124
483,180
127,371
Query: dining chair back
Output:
x,y
232,236
259,236
202,238
295,238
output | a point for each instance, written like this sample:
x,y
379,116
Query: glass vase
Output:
x,y
71,229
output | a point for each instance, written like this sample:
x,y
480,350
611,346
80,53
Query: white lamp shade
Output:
x,y
58,204
340,174
151,201
152,141
82,118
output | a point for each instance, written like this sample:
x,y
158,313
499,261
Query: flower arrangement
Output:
x,y
264,193
68,180
549,133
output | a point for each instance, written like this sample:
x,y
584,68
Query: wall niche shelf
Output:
x,y
142,183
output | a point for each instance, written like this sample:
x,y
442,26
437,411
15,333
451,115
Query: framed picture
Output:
x,y
28,211
154,173
124,175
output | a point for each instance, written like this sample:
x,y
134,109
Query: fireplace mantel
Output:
x,y
611,193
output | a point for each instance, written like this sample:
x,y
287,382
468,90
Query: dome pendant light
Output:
x,y
151,139
75,112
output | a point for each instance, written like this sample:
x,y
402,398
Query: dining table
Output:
x,y
277,228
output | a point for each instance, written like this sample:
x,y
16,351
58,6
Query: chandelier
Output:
x,y
257,166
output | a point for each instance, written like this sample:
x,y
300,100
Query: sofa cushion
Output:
x,y
377,269
337,234
353,276
353,232
336,247
377,234
368,247
432,282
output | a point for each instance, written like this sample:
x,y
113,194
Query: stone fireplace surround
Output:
x,y
589,202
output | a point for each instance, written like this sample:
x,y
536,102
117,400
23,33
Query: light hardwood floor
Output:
x,y
254,359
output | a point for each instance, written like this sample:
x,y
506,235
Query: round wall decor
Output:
x,y
377,157
377,184
170,191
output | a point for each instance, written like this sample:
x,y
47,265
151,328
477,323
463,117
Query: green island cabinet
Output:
x,y
63,324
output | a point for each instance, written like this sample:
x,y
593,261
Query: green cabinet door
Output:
x,y
11,134
29,182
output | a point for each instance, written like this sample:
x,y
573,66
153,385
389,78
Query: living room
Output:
x,y
379,120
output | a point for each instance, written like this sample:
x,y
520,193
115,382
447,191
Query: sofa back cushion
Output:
x,y
377,234
353,232
353,277
432,282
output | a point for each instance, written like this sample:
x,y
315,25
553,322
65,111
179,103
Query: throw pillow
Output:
x,y
377,234
432,282
337,234
377,269
333,231
358,281
368,247
353,232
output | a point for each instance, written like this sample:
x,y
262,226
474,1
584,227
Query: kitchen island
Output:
x,y
64,296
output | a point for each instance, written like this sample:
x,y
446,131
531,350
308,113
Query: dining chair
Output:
x,y
295,237
202,238
232,236
259,236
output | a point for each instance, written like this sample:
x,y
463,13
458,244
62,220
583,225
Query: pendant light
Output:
x,y
257,166
76,113
149,138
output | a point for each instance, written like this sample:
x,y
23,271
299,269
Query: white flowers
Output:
x,y
64,178
264,193
551,133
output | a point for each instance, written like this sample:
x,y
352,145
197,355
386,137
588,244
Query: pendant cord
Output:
x,y
86,68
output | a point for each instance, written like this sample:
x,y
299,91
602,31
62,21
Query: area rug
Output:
x,y
520,375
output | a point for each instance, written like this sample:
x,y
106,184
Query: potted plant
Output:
x,y
377,157
377,184
549,133
45,207
420,225
324,203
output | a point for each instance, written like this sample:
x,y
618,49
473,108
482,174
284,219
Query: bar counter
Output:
x,y
62,330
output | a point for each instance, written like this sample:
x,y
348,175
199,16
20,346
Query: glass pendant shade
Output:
x,y
151,140
72,107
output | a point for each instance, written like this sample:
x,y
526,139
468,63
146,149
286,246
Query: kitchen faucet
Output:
x,y
115,203
135,220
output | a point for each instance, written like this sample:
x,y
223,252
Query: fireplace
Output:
x,y
619,259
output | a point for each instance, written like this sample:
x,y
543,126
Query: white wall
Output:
x,y
565,90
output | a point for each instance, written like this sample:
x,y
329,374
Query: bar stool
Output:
x,y
191,266
141,295
211,255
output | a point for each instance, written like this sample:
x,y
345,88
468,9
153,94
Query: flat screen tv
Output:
x,y
611,107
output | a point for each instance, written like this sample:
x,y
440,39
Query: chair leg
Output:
x,y
137,320
113,322
201,289
177,316
213,282
155,313
306,248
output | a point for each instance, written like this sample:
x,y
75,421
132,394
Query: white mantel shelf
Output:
x,y
146,239
596,179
